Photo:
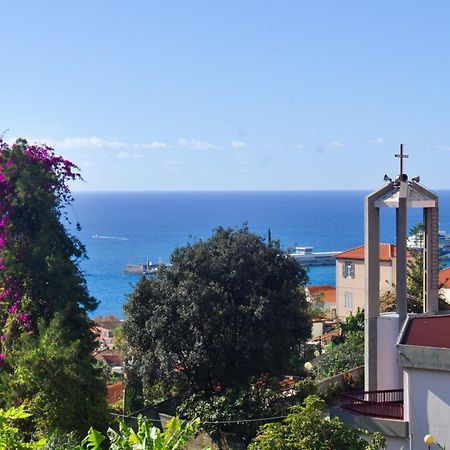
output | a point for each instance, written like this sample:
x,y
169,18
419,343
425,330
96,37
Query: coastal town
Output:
x,y
223,225
383,384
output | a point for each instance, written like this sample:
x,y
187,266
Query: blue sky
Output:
x,y
231,95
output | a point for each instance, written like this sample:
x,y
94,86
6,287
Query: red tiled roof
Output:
x,y
387,252
430,331
326,291
444,278
109,356
113,360
114,392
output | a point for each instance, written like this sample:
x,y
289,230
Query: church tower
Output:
x,y
400,194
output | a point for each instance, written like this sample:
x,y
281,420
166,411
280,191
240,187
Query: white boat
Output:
x,y
416,241
305,256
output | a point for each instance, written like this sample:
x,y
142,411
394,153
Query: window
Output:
x,y
348,269
348,300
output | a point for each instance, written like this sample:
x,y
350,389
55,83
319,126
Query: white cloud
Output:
x,y
237,144
152,145
126,155
172,165
196,144
90,142
377,141
95,143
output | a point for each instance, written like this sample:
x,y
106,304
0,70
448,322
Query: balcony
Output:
x,y
382,404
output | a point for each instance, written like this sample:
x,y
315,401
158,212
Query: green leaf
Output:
x,y
93,440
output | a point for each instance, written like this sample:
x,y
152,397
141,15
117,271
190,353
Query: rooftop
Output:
x,y
444,278
387,252
326,292
428,331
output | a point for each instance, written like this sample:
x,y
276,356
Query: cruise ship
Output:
x,y
416,241
306,256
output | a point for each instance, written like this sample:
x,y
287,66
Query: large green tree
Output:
x,y
40,280
227,309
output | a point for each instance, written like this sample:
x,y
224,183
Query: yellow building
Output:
x,y
350,277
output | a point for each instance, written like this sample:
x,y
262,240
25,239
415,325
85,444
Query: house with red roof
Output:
x,y
325,295
350,277
110,358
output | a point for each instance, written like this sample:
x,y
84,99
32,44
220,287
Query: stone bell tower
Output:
x,y
400,194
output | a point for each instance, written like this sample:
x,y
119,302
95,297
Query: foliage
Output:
x,y
227,309
41,285
341,358
353,322
146,437
10,436
39,259
119,341
316,304
308,428
62,441
414,286
64,390
258,400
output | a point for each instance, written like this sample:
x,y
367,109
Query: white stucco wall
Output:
x,y
427,405
396,443
446,293
388,369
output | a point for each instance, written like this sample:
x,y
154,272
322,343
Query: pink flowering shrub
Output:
x,y
35,247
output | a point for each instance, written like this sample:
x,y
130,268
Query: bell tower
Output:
x,y
400,194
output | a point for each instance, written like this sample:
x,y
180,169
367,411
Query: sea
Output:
x,y
120,228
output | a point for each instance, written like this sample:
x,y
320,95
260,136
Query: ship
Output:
x,y
147,269
306,256
415,242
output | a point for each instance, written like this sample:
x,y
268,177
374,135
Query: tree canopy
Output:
x,y
44,300
227,309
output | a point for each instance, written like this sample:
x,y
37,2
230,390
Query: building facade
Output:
x,y
351,280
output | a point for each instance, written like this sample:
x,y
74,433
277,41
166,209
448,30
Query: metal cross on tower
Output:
x,y
401,156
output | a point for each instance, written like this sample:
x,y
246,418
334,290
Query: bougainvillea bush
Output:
x,y
38,257
40,277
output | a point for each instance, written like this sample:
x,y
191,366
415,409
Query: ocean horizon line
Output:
x,y
94,191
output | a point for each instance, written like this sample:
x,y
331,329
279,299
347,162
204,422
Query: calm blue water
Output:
x,y
151,224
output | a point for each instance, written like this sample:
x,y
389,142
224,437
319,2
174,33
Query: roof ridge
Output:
x,y
350,249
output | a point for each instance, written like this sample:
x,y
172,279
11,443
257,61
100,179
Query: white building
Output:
x,y
420,361
407,357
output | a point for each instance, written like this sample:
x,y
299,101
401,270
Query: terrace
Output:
x,y
387,404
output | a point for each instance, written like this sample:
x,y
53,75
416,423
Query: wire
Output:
x,y
209,422
261,419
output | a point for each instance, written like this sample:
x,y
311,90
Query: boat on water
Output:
x,y
416,242
115,238
306,256
147,269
